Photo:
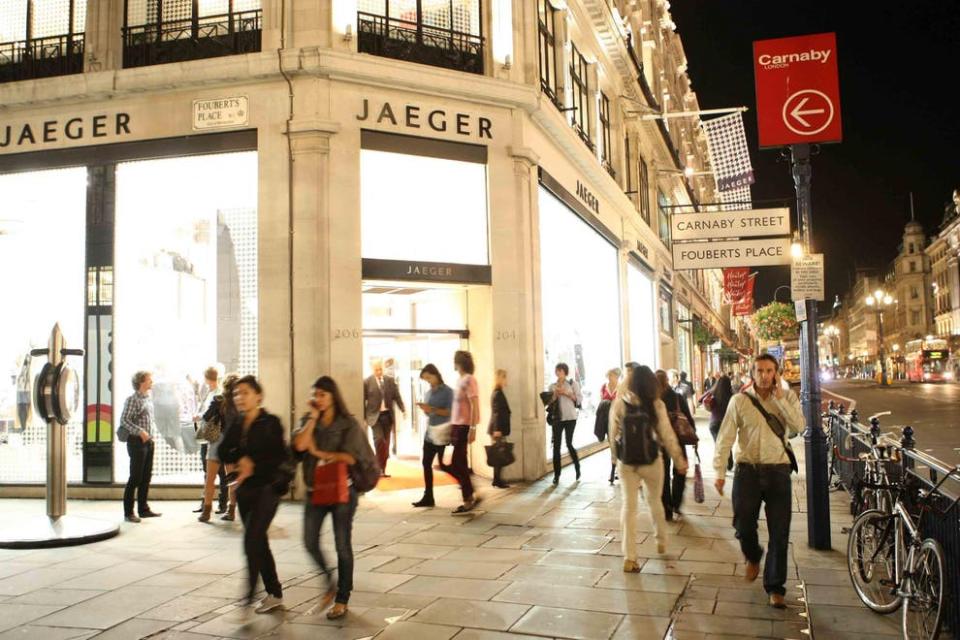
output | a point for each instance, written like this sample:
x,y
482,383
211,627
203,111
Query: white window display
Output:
x,y
580,305
643,319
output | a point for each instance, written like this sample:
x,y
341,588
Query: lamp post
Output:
x,y
777,290
832,332
880,300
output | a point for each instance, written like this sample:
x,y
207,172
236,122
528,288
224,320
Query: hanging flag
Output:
x,y
744,305
737,199
729,154
735,282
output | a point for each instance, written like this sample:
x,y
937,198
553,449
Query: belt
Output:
x,y
764,467
385,411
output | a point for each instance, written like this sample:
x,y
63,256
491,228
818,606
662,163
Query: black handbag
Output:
x,y
500,454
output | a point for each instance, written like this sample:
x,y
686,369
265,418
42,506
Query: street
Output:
x,y
933,410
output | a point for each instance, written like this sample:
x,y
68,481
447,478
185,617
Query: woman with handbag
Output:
x,y
674,482
436,404
332,445
254,442
220,413
499,426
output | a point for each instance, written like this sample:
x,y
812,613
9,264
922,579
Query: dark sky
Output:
x,y
899,83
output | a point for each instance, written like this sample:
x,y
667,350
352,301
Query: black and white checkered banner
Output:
x,y
729,154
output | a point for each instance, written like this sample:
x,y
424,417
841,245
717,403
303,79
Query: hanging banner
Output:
x,y
729,154
743,306
735,282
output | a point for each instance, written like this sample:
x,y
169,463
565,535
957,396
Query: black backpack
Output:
x,y
637,443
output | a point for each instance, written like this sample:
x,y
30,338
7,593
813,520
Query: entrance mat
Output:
x,y
405,474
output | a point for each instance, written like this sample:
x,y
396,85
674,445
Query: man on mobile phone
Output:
x,y
760,419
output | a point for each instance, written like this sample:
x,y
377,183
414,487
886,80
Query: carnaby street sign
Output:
x,y
731,224
798,90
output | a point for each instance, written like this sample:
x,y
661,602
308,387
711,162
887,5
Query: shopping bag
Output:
x,y
698,496
330,484
440,434
500,454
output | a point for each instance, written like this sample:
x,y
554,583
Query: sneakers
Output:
x,y
337,611
269,604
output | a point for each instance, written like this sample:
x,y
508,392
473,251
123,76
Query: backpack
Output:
x,y
637,442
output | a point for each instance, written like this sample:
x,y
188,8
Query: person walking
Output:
x,y
685,389
567,395
463,432
254,442
329,434
205,396
499,427
437,404
760,419
639,413
221,410
718,399
137,419
380,394
608,393
673,483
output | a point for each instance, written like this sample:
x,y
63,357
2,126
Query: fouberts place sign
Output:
x,y
34,134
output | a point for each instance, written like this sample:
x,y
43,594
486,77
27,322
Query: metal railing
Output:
x,y
919,469
417,42
41,57
192,38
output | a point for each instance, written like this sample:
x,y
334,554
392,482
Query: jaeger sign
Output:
x,y
27,136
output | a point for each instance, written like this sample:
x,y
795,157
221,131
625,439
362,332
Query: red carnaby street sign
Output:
x,y
798,90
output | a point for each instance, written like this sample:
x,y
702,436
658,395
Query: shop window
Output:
x,y
580,298
580,109
644,191
663,214
407,198
185,291
41,38
547,40
606,150
643,320
164,31
628,164
42,259
441,33
666,311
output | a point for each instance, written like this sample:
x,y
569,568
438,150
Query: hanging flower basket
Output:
x,y
775,321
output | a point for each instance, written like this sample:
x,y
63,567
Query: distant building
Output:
x,y
945,273
908,281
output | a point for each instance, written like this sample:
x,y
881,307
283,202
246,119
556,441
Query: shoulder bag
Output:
x,y
686,432
777,427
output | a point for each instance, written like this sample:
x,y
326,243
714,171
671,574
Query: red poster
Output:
x,y
743,306
735,282
798,90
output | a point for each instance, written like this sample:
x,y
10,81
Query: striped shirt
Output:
x,y
137,414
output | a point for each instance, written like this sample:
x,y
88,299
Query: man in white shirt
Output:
x,y
764,460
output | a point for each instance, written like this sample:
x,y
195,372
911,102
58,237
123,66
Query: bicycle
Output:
x,y
873,490
892,565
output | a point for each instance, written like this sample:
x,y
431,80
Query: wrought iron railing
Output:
x,y
41,57
416,42
192,38
941,522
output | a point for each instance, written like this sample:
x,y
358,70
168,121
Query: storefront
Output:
x,y
643,317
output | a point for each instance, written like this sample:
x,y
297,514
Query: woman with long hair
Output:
x,y
223,410
639,400
499,426
722,392
329,434
608,393
673,483
464,420
436,404
255,443
567,395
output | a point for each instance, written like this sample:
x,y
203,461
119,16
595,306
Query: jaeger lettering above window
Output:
x,y
413,116
64,129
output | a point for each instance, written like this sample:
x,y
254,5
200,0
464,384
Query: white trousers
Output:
x,y
651,475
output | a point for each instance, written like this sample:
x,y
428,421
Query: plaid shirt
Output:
x,y
137,414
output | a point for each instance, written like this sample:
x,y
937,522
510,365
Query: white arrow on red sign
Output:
x,y
797,117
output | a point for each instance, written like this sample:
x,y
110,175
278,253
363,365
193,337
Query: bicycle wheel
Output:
x,y
923,611
871,561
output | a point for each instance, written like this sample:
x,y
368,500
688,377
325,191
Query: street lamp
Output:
x,y
880,300
832,332
777,290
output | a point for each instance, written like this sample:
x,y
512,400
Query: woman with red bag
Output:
x,y
329,442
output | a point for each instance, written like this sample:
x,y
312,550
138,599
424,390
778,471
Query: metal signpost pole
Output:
x,y
818,497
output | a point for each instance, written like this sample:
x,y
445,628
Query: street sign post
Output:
x,y
798,104
798,90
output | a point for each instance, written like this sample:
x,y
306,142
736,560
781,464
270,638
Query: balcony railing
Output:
x,y
192,39
41,57
417,42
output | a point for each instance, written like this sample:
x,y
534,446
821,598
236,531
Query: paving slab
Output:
x,y
478,614
568,623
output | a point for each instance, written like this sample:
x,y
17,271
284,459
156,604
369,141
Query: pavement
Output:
x,y
534,562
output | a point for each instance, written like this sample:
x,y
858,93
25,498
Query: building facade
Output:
x,y
294,188
861,323
944,256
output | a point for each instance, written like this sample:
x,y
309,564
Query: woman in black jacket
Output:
x,y
499,426
672,495
254,442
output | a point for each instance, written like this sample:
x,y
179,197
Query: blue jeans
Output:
x,y
313,516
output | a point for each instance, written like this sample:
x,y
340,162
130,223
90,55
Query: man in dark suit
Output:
x,y
380,393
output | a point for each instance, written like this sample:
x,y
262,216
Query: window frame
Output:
x,y
547,49
580,96
606,155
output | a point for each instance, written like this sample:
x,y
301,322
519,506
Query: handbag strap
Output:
x,y
767,416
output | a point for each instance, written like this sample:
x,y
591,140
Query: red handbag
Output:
x,y
330,484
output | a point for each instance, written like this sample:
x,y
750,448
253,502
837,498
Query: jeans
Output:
x,y
564,428
771,485
381,438
631,476
672,493
257,506
221,475
313,516
430,451
141,471
459,468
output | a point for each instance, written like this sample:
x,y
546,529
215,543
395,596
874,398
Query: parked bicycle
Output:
x,y
874,490
893,565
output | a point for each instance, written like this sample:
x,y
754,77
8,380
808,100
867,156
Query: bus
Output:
x,y
791,362
927,361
